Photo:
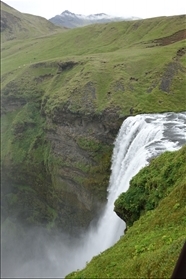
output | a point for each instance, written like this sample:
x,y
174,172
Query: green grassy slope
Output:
x,y
151,246
151,185
16,25
126,64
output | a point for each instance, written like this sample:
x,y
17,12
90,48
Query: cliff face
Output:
x,y
82,145
55,169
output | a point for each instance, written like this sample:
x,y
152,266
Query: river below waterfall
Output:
x,y
140,138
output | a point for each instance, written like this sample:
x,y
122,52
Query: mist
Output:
x,y
40,253
37,252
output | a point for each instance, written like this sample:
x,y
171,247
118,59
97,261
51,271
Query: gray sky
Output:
x,y
139,8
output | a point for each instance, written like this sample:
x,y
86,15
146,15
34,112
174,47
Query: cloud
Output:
x,y
140,8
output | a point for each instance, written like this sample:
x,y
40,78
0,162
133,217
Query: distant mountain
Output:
x,y
71,20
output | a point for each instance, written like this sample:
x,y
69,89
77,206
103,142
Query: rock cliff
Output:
x,y
57,167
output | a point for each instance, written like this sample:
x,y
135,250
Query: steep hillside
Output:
x,y
16,25
64,97
151,246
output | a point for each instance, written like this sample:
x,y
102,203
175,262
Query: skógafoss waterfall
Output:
x,y
140,138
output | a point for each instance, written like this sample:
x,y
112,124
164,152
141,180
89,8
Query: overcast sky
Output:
x,y
139,8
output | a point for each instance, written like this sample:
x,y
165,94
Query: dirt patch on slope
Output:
x,y
171,70
176,37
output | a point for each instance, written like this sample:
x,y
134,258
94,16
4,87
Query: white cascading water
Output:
x,y
140,138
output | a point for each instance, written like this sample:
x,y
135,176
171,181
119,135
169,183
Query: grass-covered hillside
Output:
x,y
151,246
16,25
64,97
138,64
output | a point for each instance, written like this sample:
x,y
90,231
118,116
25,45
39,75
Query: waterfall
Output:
x,y
140,138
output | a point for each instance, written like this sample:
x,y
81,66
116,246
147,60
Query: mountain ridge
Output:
x,y
71,20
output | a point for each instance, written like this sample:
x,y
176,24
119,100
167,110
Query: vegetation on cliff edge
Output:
x,y
151,185
152,244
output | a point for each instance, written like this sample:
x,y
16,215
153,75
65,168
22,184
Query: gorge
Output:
x,y
140,139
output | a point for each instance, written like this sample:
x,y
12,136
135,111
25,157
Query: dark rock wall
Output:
x,y
65,186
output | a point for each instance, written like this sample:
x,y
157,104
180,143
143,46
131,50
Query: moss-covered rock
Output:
x,y
151,185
